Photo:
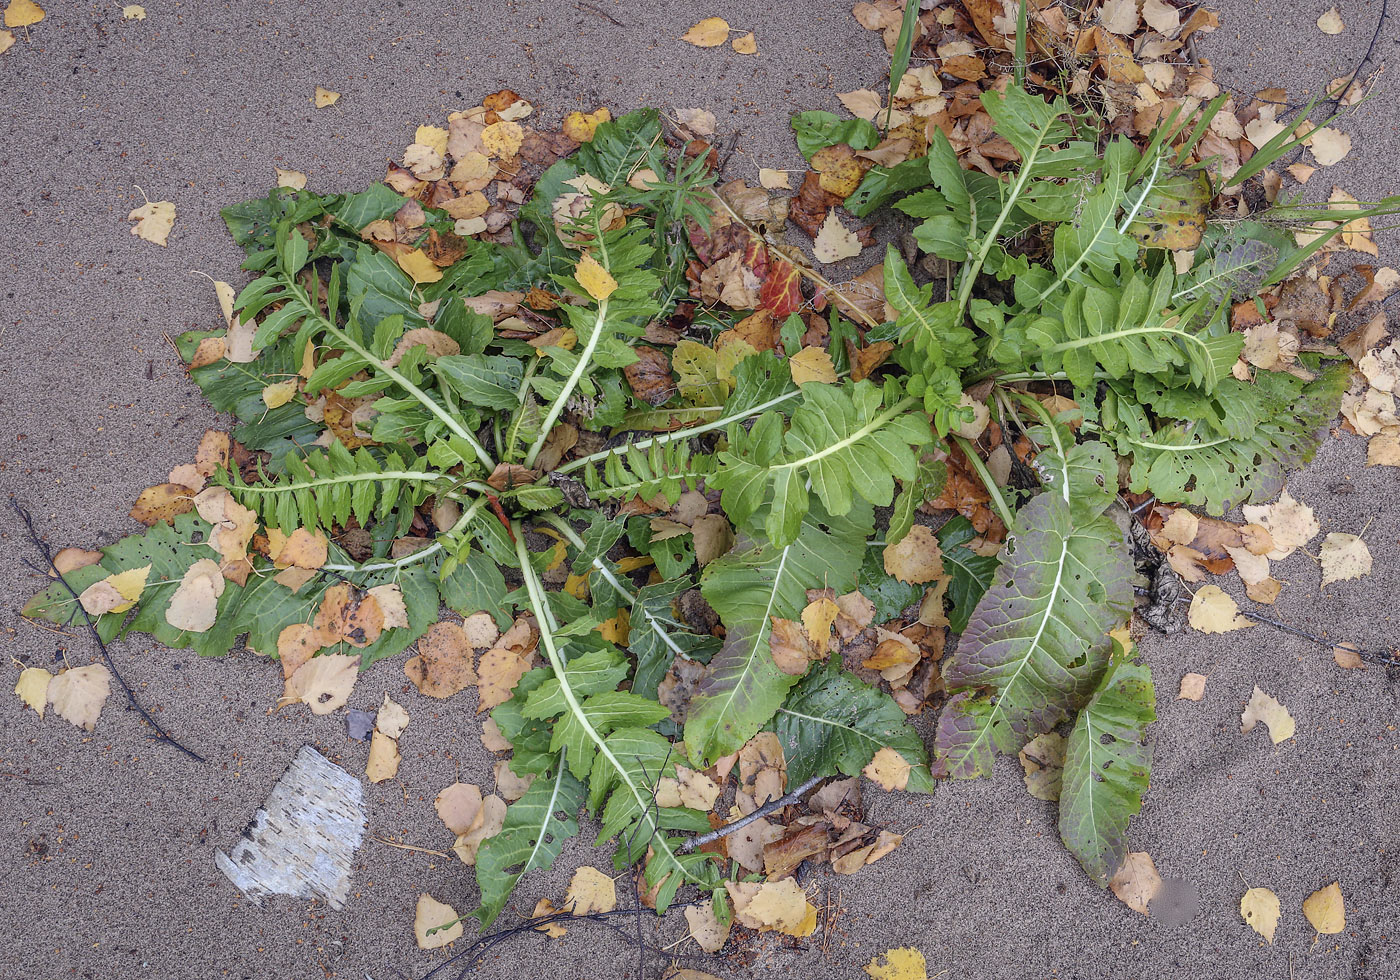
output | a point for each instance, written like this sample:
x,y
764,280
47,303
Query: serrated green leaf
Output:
x,y
844,442
536,827
748,587
1039,637
834,723
1107,765
971,573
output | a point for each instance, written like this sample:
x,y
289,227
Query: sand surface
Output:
x,y
107,840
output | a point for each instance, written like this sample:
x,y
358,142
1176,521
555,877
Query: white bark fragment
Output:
x,y
303,839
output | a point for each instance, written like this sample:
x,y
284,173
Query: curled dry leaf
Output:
x,y
444,662
383,762
1263,707
1043,759
71,559
791,649
391,719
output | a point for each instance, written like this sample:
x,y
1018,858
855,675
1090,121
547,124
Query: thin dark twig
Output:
x,y
589,8
794,797
43,550
478,950
1336,100
1381,658
1369,656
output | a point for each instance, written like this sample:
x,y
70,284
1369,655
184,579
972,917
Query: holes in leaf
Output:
x,y
1107,738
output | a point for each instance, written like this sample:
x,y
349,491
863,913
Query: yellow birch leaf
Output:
x,y
812,364
1136,882
1263,707
78,694
905,963
747,44
596,280
432,136
1260,909
431,914
116,593
325,97
23,13
1343,557
817,618
581,126
888,769
322,683
33,688
502,139
1326,910
916,559
1213,611
154,219
278,394
419,267
708,33
590,891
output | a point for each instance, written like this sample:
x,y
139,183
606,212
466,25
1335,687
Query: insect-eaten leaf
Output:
x,y
1171,213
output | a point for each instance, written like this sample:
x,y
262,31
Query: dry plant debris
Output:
x,y
428,375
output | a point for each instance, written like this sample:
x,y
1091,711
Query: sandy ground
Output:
x,y
106,841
